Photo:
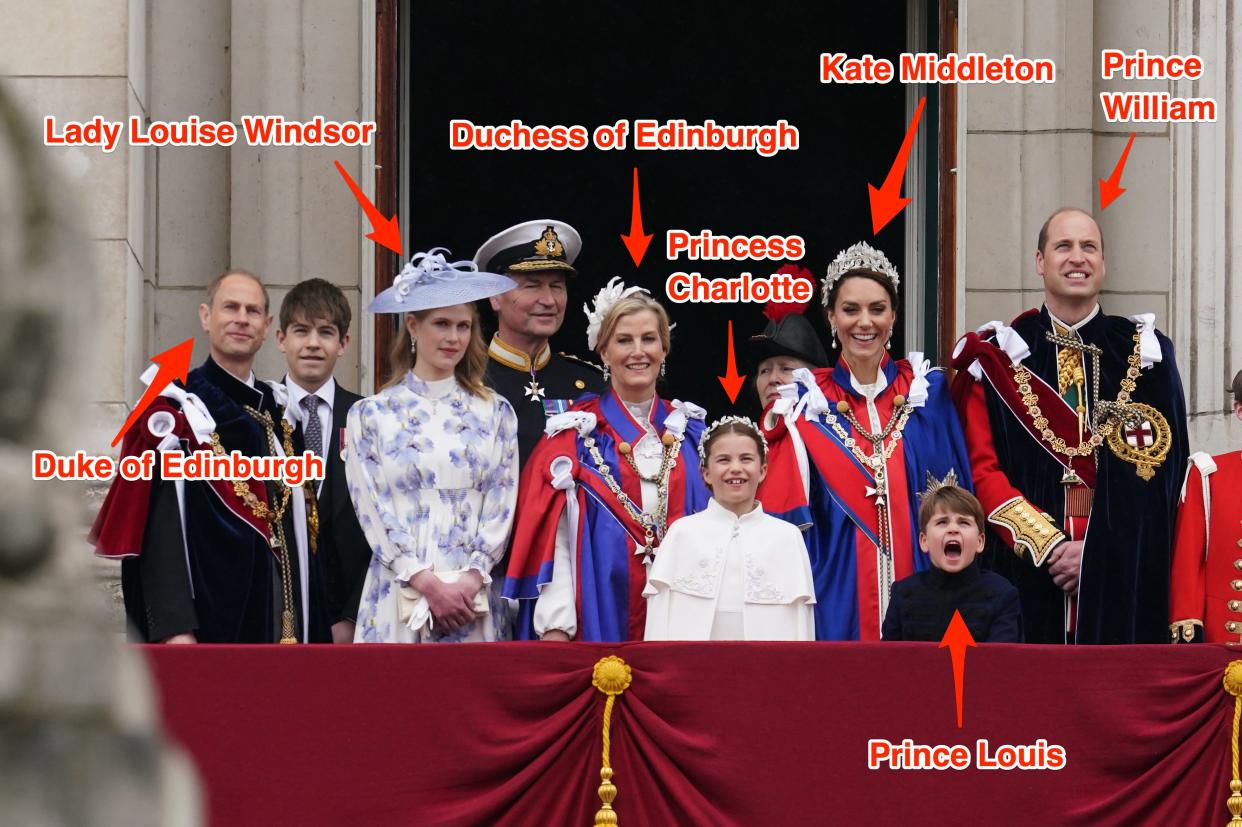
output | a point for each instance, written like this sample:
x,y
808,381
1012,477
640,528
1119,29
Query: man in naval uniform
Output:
x,y
1076,426
539,256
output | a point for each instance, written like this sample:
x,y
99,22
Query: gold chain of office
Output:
x,y
651,523
1105,415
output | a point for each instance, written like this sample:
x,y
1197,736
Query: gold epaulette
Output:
x,y
579,360
1183,631
1031,529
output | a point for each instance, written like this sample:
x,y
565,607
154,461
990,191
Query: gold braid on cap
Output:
x,y
725,420
862,256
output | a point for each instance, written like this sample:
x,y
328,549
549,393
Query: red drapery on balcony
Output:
x,y
719,734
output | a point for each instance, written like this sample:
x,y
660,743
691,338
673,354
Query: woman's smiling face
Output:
x,y
863,316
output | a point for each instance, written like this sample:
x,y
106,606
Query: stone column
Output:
x,y
292,215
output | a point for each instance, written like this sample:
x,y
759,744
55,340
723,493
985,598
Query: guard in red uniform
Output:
x,y
1205,596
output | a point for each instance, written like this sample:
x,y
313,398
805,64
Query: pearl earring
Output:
x,y
607,372
663,369
834,338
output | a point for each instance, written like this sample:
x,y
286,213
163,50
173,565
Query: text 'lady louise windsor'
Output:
x,y
601,489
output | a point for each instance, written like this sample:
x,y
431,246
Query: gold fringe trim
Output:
x,y
612,676
1032,530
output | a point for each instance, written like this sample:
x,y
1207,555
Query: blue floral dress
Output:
x,y
432,472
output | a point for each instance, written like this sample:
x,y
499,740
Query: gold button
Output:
x,y
1235,605
1240,543
1237,564
1231,626
579,384
1236,585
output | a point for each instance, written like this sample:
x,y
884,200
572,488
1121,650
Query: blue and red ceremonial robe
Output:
x,y
815,481
610,575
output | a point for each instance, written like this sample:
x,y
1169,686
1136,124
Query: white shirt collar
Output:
x,y
326,392
872,390
1094,312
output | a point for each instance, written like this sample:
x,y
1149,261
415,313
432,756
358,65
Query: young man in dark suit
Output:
x,y
313,333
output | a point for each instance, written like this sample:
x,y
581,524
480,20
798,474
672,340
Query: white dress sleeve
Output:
x,y
556,606
372,496
499,485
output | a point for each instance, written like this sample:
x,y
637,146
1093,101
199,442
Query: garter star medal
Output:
x,y
1143,438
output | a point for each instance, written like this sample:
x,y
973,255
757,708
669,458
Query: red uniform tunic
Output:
x,y
1205,595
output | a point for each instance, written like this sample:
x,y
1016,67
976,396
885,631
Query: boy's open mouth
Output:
x,y
953,550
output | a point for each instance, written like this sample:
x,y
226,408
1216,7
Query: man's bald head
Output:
x,y
1042,243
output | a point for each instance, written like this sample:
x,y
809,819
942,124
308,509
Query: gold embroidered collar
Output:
x,y
511,357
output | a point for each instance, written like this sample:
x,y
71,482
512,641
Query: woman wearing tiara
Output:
x,y
603,486
731,572
432,467
852,445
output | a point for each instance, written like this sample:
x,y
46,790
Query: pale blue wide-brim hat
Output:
x,y
429,281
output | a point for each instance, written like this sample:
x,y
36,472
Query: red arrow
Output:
x,y
886,202
1111,189
636,242
957,637
384,231
174,364
731,381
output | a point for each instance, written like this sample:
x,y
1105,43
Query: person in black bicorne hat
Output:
x,y
786,344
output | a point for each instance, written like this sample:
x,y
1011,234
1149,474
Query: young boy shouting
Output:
x,y
951,531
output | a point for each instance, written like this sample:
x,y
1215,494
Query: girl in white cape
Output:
x,y
731,572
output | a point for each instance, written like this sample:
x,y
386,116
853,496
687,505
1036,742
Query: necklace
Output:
x,y
653,524
273,516
1105,415
882,451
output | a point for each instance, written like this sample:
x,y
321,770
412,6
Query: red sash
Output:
x,y
1062,419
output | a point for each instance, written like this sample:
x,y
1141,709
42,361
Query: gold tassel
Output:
x,y
288,632
1233,685
611,676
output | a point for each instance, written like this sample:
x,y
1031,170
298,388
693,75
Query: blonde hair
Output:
x,y
634,303
469,371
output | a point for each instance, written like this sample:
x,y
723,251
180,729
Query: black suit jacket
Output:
x,y
343,551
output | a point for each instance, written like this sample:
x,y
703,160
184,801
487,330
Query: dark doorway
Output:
x,y
591,64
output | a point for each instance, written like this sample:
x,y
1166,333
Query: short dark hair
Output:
x,y
952,499
214,285
1237,388
1043,231
316,299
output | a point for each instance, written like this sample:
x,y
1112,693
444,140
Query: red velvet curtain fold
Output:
x,y
712,734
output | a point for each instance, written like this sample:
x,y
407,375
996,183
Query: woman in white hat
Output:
x,y
432,465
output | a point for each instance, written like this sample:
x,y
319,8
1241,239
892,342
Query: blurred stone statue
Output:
x,y
79,737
